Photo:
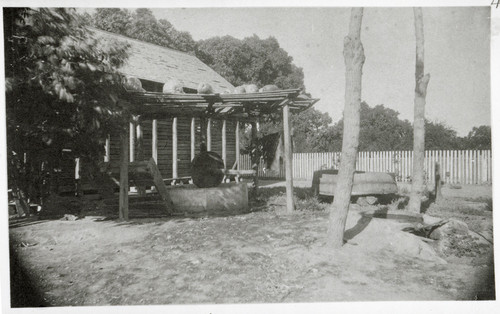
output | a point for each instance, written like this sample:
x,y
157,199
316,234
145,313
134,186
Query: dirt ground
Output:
x,y
264,256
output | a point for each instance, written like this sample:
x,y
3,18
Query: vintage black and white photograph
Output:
x,y
170,155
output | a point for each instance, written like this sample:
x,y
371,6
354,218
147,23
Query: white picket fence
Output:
x,y
456,166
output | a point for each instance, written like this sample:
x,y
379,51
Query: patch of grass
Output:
x,y
311,203
275,198
456,208
454,186
487,200
399,203
464,246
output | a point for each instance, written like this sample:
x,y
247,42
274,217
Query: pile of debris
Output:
x,y
452,237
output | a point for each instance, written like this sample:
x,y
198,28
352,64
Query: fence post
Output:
x,y
483,167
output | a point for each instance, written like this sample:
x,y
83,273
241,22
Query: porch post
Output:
x,y
124,161
209,134
255,158
132,141
107,149
141,189
193,137
203,128
174,148
224,153
237,136
154,140
290,207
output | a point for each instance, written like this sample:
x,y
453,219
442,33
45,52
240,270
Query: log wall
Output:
x,y
183,144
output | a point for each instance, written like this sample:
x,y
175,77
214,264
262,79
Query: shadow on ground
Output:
x,y
23,292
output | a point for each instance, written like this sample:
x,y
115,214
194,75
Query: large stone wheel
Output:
x,y
206,170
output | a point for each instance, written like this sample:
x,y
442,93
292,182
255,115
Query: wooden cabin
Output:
x,y
154,65
166,129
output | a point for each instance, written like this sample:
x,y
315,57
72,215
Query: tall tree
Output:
x,y
58,85
251,60
439,136
142,25
479,138
421,82
145,27
227,56
380,129
310,131
354,59
113,20
177,39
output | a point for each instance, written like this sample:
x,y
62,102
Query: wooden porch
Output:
x,y
191,118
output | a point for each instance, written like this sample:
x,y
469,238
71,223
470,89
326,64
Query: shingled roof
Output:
x,y
158,64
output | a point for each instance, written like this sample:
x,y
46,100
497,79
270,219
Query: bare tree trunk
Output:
x,y
421,81
141,189
354,58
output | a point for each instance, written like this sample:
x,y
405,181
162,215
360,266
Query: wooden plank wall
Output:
x,y
183,144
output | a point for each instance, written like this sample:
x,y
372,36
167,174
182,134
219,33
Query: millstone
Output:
x,y
206,169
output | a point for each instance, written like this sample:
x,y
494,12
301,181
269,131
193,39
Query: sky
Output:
x,y
457,54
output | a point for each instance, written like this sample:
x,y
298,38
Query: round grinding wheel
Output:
x,y
206,169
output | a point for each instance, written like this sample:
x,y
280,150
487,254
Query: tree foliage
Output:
x,y
479,138
251,60
142,25
380,129
439,136
383,130
58,85
113,20
311,131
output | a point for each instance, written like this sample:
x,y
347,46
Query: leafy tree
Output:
x,y
85,18
311,129
479,138
228,56
59,80
251,60
270,64
179,40
143,25
439,136
113,20
380,129
293,79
